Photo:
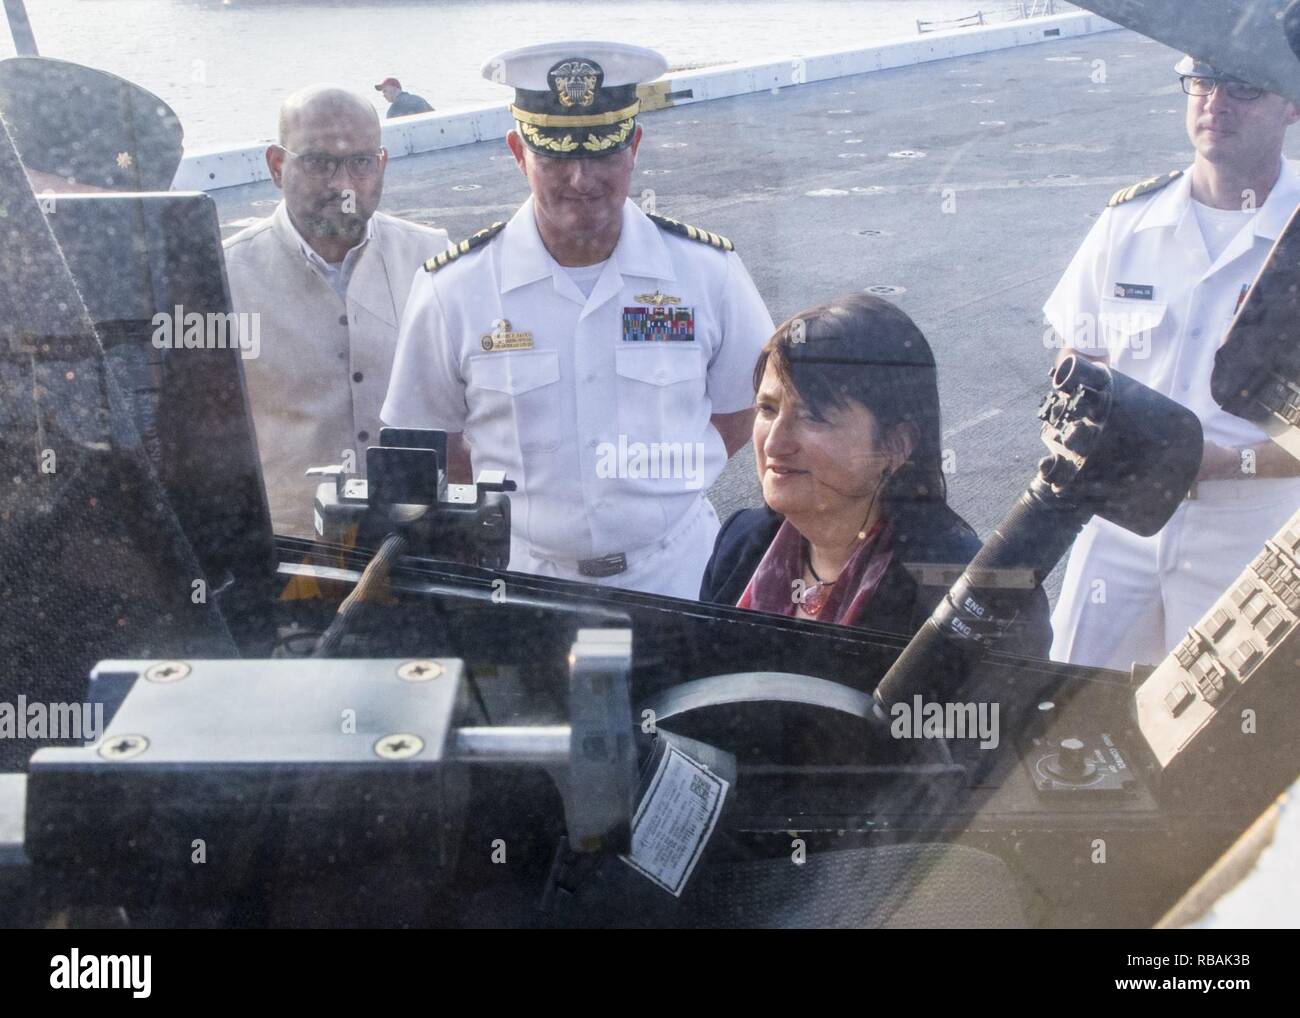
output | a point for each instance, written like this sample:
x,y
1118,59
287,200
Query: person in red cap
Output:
x,y
401,104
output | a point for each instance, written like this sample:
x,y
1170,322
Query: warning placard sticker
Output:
x,y
674,820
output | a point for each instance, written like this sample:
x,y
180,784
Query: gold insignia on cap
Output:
x,y
595,144
592,143
575,119
540,140
124,160
574,82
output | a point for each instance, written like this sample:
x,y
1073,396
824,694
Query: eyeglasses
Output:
x,y
1235,89
322,167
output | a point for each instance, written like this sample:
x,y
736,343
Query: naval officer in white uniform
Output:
x,y
603,358
1152,291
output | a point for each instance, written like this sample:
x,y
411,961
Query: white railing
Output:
x,y
230,166
969,21
1006,12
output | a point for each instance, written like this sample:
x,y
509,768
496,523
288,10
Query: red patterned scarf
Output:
x,y
772,587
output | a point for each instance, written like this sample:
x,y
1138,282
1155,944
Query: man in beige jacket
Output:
x,y
326,278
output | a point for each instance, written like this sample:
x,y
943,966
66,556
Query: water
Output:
x,y
224,67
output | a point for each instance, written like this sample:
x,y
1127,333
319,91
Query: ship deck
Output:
x,y
962,187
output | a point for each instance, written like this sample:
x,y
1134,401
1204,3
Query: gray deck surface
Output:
x,y
1031,146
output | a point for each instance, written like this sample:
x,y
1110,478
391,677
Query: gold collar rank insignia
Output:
x,y
502,338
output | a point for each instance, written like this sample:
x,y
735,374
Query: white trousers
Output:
x,y
1129,599
673,567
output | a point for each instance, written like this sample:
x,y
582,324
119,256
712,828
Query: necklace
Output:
x,y
815,597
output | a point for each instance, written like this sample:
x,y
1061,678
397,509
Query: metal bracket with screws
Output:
x,y
123,747
399,746
167,671
420,671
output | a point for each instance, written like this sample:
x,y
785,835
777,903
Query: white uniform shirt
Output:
x,y
319,378
1143,291
575,398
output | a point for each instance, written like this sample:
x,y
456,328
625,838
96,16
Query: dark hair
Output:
x,y
862,349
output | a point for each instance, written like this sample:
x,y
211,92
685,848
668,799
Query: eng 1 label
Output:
x,y
674,821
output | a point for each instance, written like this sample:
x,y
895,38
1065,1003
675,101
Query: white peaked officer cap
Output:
x,y
576,99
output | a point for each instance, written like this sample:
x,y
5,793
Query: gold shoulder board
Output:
x,y
1143,187
691,232
467,245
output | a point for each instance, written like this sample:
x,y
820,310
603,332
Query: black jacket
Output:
x,y
929,534
405,104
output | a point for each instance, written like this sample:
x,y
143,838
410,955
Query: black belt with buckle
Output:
x,y
610,565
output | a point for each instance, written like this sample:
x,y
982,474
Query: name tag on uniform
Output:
x,y
501,338
1135,291
658,324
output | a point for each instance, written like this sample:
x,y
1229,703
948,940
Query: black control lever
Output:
x,y
1117,450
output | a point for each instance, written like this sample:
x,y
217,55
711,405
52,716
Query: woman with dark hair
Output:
x,y
848,446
